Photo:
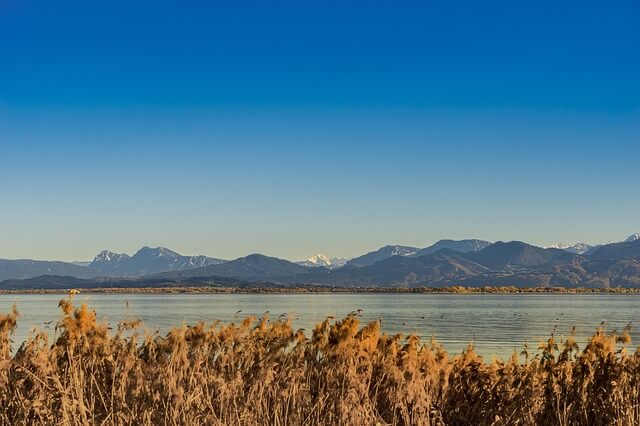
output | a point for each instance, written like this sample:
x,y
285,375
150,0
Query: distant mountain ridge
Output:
x,y
402,271
624,250
463,246
381,254
24,268
147,261
583,248
501,255
254,266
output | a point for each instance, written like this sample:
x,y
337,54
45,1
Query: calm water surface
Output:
x,y
497,324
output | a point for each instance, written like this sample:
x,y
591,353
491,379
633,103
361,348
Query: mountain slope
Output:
x,y
462,246
617,251
381,254
502,255
21,269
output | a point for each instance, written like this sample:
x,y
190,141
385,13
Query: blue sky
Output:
x,y
292,128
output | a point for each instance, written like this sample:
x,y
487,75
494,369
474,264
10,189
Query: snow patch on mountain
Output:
x,y
106,256
324,261
632,238
402,251
578,248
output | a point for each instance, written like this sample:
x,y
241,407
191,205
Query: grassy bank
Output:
x,y
265,372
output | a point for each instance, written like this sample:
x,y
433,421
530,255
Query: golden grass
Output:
x,y
265,372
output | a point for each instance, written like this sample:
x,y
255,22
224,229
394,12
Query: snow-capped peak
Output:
x,y
110,257
560,246
323,260
578,248
320,259
632,238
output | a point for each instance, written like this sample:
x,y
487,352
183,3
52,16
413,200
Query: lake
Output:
x,y
496,323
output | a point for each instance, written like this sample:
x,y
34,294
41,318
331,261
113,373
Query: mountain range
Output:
x,y
469,262
109,264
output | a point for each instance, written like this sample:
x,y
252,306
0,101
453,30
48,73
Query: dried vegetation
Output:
x,y
265,372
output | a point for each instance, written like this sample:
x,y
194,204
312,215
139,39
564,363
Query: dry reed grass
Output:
x,y
265,372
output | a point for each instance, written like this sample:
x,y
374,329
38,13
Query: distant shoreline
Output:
x,y
330,290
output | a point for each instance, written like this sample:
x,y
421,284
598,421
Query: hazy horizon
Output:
x,y
302,257
292,129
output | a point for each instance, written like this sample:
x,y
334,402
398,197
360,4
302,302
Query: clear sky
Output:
x,y
292,128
